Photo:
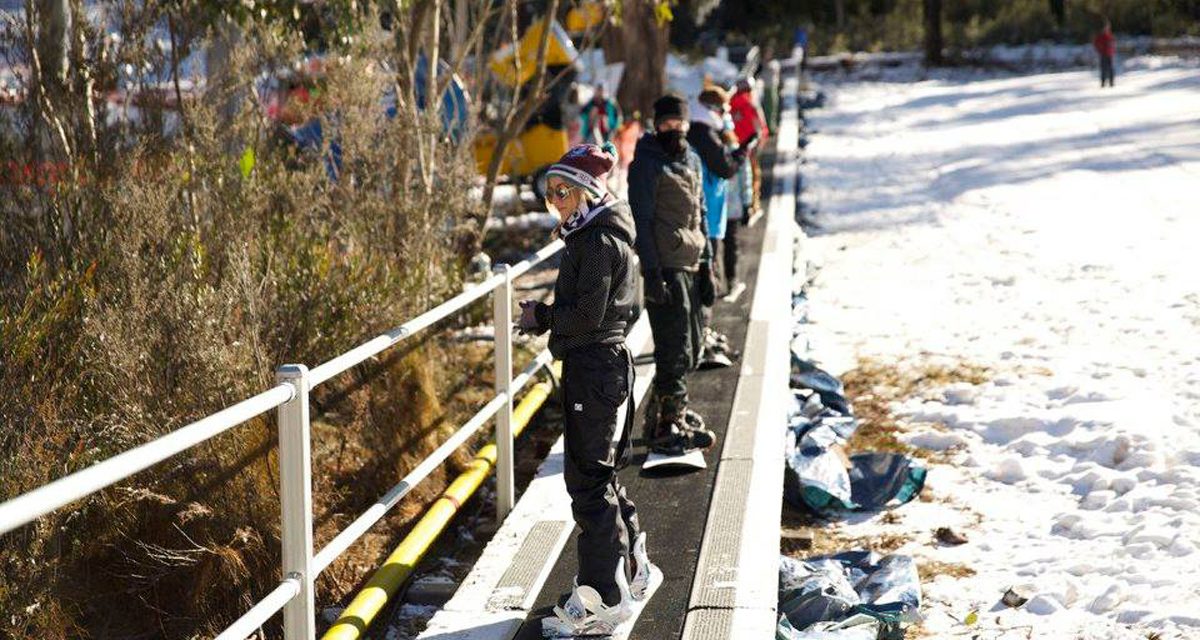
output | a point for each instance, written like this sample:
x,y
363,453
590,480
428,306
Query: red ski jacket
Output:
x,y
1105,43
747,117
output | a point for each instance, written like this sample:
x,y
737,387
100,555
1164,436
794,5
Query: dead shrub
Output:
x,y
165,277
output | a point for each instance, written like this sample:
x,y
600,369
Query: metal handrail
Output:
x,y
258,615
32,505
351,533
294,594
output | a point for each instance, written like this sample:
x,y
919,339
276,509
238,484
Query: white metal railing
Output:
x,y
294,594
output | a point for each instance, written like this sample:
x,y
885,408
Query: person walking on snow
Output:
x,y
595,306
666,195
1105,44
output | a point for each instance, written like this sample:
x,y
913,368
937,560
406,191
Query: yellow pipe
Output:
x,y
354,621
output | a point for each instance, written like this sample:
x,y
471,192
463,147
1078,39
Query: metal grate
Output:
x,y
529,563
709,624
716,578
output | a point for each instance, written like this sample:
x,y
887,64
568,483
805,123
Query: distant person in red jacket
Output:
x,y
1106,45
749,121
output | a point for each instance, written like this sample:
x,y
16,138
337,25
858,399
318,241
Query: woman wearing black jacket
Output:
x,y
595,306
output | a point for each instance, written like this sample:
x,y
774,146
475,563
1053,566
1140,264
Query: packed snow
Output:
x,y
1047,230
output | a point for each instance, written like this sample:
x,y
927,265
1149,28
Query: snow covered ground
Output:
x,y
1050,231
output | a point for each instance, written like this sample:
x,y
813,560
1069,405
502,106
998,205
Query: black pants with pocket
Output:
x,y
597,394
675,326
729,250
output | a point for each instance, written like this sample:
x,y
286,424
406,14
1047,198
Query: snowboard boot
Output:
x,y
720,343
701,436
585,614
650,423
716,352
712,358
675,436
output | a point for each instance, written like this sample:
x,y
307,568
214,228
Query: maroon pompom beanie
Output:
x,y
586,165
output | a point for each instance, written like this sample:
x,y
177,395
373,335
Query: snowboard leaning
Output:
x,y
693,459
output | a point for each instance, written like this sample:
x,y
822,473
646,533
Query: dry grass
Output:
x,y
930,569
162,282
873,385
803,535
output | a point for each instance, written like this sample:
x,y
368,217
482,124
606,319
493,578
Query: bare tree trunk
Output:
x,y
641,43
433,100
87,80
461,30
519,115
933,32
839,8
54,41
220,90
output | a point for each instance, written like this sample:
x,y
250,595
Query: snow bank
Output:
x,y
1045,229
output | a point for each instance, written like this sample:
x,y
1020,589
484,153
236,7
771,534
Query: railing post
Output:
x,y
502,306
295,496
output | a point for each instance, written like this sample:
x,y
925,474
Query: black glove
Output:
x,y
706,288
655,288
534,318
739,154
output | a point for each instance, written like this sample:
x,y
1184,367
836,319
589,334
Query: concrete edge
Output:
x,y
735,587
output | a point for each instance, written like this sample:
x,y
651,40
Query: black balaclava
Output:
x,y
673,141
665,108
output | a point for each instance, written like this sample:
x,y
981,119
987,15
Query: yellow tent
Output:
x,y
584,17
560,51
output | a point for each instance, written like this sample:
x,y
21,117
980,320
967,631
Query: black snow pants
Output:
x,y
676,330
597,394
1107,73
730,251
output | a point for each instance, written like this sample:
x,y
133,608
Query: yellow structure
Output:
x,y
587,15
536,147
516,69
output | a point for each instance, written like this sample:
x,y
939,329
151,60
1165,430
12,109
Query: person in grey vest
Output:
x,y
667,199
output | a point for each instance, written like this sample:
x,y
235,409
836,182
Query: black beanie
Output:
x,y
670,106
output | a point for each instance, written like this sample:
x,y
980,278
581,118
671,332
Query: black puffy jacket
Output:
x,y
707,143
595,296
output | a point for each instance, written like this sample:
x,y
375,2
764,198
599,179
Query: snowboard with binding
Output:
x,y
599,629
